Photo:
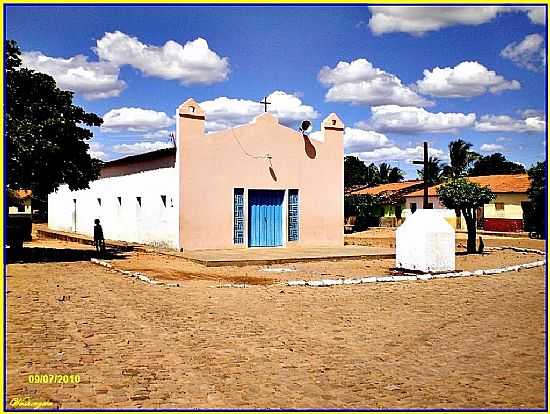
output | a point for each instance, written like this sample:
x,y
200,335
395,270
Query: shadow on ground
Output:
x,y
46,255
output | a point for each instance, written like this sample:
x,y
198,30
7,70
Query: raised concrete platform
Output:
x,y
239,257
44,232
266,256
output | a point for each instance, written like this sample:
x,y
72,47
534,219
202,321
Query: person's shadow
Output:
x,y
46,255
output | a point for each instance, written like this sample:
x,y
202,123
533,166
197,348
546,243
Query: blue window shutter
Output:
x,y
238,217
293,216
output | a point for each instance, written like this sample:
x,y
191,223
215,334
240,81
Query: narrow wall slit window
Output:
x,y
163,198
238,216
119,199
138,199
293,216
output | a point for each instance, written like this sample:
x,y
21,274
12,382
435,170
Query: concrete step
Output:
x,y
81,238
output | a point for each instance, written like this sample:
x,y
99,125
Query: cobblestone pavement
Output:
x,y
474,342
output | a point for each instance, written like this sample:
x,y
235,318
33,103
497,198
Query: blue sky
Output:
x,y
396,75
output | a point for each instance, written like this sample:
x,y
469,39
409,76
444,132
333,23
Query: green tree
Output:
x,y
495,164
461,194
537,195
461,157
373,175
396,175
384,171
46,139
435,169
365,207
355,171
389,174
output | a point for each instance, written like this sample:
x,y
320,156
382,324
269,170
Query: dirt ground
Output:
x,y
446,343
385,237
175,269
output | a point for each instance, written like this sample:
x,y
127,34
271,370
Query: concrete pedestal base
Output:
x,y
425,242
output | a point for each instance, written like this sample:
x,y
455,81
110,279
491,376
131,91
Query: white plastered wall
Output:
x,y
150,223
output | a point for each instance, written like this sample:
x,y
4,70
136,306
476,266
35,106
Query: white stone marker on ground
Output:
x,y
425,242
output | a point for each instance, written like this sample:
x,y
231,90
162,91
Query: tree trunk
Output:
x,y
469,216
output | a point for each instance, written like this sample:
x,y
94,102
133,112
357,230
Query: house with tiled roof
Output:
x,y
19,201
505,213
393,201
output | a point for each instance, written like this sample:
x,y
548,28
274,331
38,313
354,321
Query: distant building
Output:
x,y
257,185
505,213
390,209
19,201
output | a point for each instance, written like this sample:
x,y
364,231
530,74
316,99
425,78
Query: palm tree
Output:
x,y
389,174
372,175
384,170
461,157
435,169
395,175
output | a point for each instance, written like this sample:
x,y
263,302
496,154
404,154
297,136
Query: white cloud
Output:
x,y
465,80
505,123
360,140
531,113
491,147
359,82
160,134
396,153
372,146
530,53
410,120
95,150
503,139
192,63
140,147
135,120
537,14
223,112
94,80
418,20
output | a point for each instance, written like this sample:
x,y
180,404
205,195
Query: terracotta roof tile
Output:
x,y
387,188
511,183
20,194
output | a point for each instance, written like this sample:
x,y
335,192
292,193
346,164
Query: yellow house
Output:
x,y
505,213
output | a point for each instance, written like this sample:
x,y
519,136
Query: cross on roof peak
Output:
x,y
265,103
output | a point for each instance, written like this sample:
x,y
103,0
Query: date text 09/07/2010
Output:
x,y
53,379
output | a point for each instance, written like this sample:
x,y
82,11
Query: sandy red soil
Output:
x,y
446,343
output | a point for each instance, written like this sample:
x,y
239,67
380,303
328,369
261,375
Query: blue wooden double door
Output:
x,y
265,218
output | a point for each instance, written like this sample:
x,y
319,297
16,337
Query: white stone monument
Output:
x,y
425,242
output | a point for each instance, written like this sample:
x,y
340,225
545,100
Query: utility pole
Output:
x,y
426,175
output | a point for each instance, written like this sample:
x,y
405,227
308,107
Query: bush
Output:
x,y
365,207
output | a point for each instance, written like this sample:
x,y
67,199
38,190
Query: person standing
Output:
x,y
99,240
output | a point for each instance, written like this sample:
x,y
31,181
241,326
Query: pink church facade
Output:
x,y
257,185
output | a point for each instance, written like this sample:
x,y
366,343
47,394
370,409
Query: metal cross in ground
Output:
x,y
426,175
265,103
